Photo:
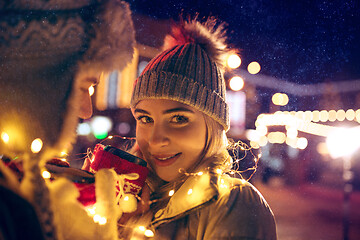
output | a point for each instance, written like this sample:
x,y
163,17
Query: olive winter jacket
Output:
x,y
232,208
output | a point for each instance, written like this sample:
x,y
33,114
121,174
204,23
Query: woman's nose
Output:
x,y
159,136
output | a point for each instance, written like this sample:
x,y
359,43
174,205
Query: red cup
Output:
x,y
123,163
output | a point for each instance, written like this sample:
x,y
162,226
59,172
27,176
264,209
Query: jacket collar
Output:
x,y
195,192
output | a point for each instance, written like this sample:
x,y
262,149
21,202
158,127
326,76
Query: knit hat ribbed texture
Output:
x,y
185,73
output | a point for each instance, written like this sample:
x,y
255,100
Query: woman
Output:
x,y
182,116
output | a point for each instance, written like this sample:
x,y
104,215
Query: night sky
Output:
x,y
304,42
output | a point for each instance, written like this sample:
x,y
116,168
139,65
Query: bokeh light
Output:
x,y
236,83
5,137
280,99
254,68
101,126
36,145
234,61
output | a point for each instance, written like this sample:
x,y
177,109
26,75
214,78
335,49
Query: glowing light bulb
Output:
x,y
46,174
236,83
234,61
126,198
96,218
5,137
280,99
102,220
91,210
350,114
200,173
190,191
148,233
254,68
301,143
218,171
36,145
171,192
142,228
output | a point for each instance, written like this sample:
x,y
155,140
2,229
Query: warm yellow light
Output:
x,y
300,114
5,137
91,90
171,192
343,141
254,68
291,142
340,115
254,144
357,113
308,116
102,221
63,153
234,61
149,233
324,116
126,198
190,191
96,218
350,114
36,145
261,130
316,116
292,132
236,83
200,173
301,143
322,148
142,228
99,219
46,174
263,140
276,137
332,115
218,171
280,99
91,210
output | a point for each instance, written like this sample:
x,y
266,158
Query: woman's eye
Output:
x,y
145,119
179,119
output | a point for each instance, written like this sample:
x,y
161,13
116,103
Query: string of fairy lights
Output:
x,y
311,122
239,151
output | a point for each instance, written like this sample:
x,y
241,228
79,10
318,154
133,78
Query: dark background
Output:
x,y
308,41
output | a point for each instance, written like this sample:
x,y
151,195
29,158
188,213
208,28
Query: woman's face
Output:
x,y
171,135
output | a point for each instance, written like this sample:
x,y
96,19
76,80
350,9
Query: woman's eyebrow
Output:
x,y
179,109
138,110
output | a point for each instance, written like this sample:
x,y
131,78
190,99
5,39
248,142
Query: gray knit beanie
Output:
x,y
190,71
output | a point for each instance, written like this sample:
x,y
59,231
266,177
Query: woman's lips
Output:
x,y
163,161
